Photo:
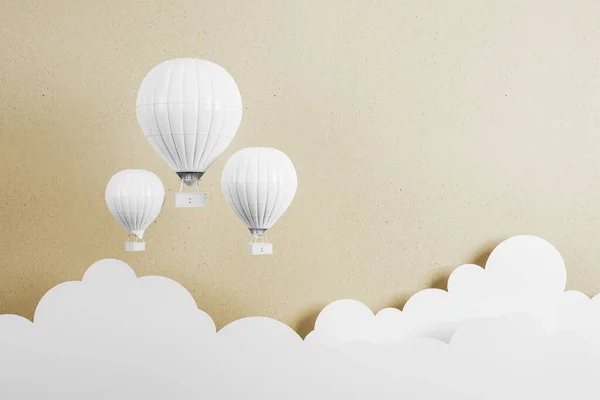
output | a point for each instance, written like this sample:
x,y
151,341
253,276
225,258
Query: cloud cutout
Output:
x,y
506,331
524,274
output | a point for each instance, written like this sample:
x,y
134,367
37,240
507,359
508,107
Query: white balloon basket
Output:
x,y
190,200
135,246
260,245
256,249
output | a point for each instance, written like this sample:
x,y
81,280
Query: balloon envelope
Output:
x,y
259,183
189,110
135,197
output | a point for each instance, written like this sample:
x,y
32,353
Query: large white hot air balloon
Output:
x,y
259,183
189,110
135,197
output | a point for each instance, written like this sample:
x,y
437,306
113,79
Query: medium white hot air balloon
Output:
x,y
135,197
259,183
189,110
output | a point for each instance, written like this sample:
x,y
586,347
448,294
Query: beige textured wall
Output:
x,y
424,132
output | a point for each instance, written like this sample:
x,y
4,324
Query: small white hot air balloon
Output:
x,y
135,197
189,110
259,183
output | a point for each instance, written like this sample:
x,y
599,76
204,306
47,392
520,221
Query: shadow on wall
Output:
x,y
306,322
440,281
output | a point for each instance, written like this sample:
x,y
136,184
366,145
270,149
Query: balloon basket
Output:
x,y
190,200
259,244
255,249
135,246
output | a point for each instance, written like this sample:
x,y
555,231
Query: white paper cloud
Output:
x,y
524,274
512,332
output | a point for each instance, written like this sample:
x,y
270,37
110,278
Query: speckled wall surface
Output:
x,y
423,133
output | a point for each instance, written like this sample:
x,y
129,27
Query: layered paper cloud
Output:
x,y
509,331
524,274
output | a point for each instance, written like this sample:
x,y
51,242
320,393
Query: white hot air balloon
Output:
x,y
259,183
135,197
189,110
